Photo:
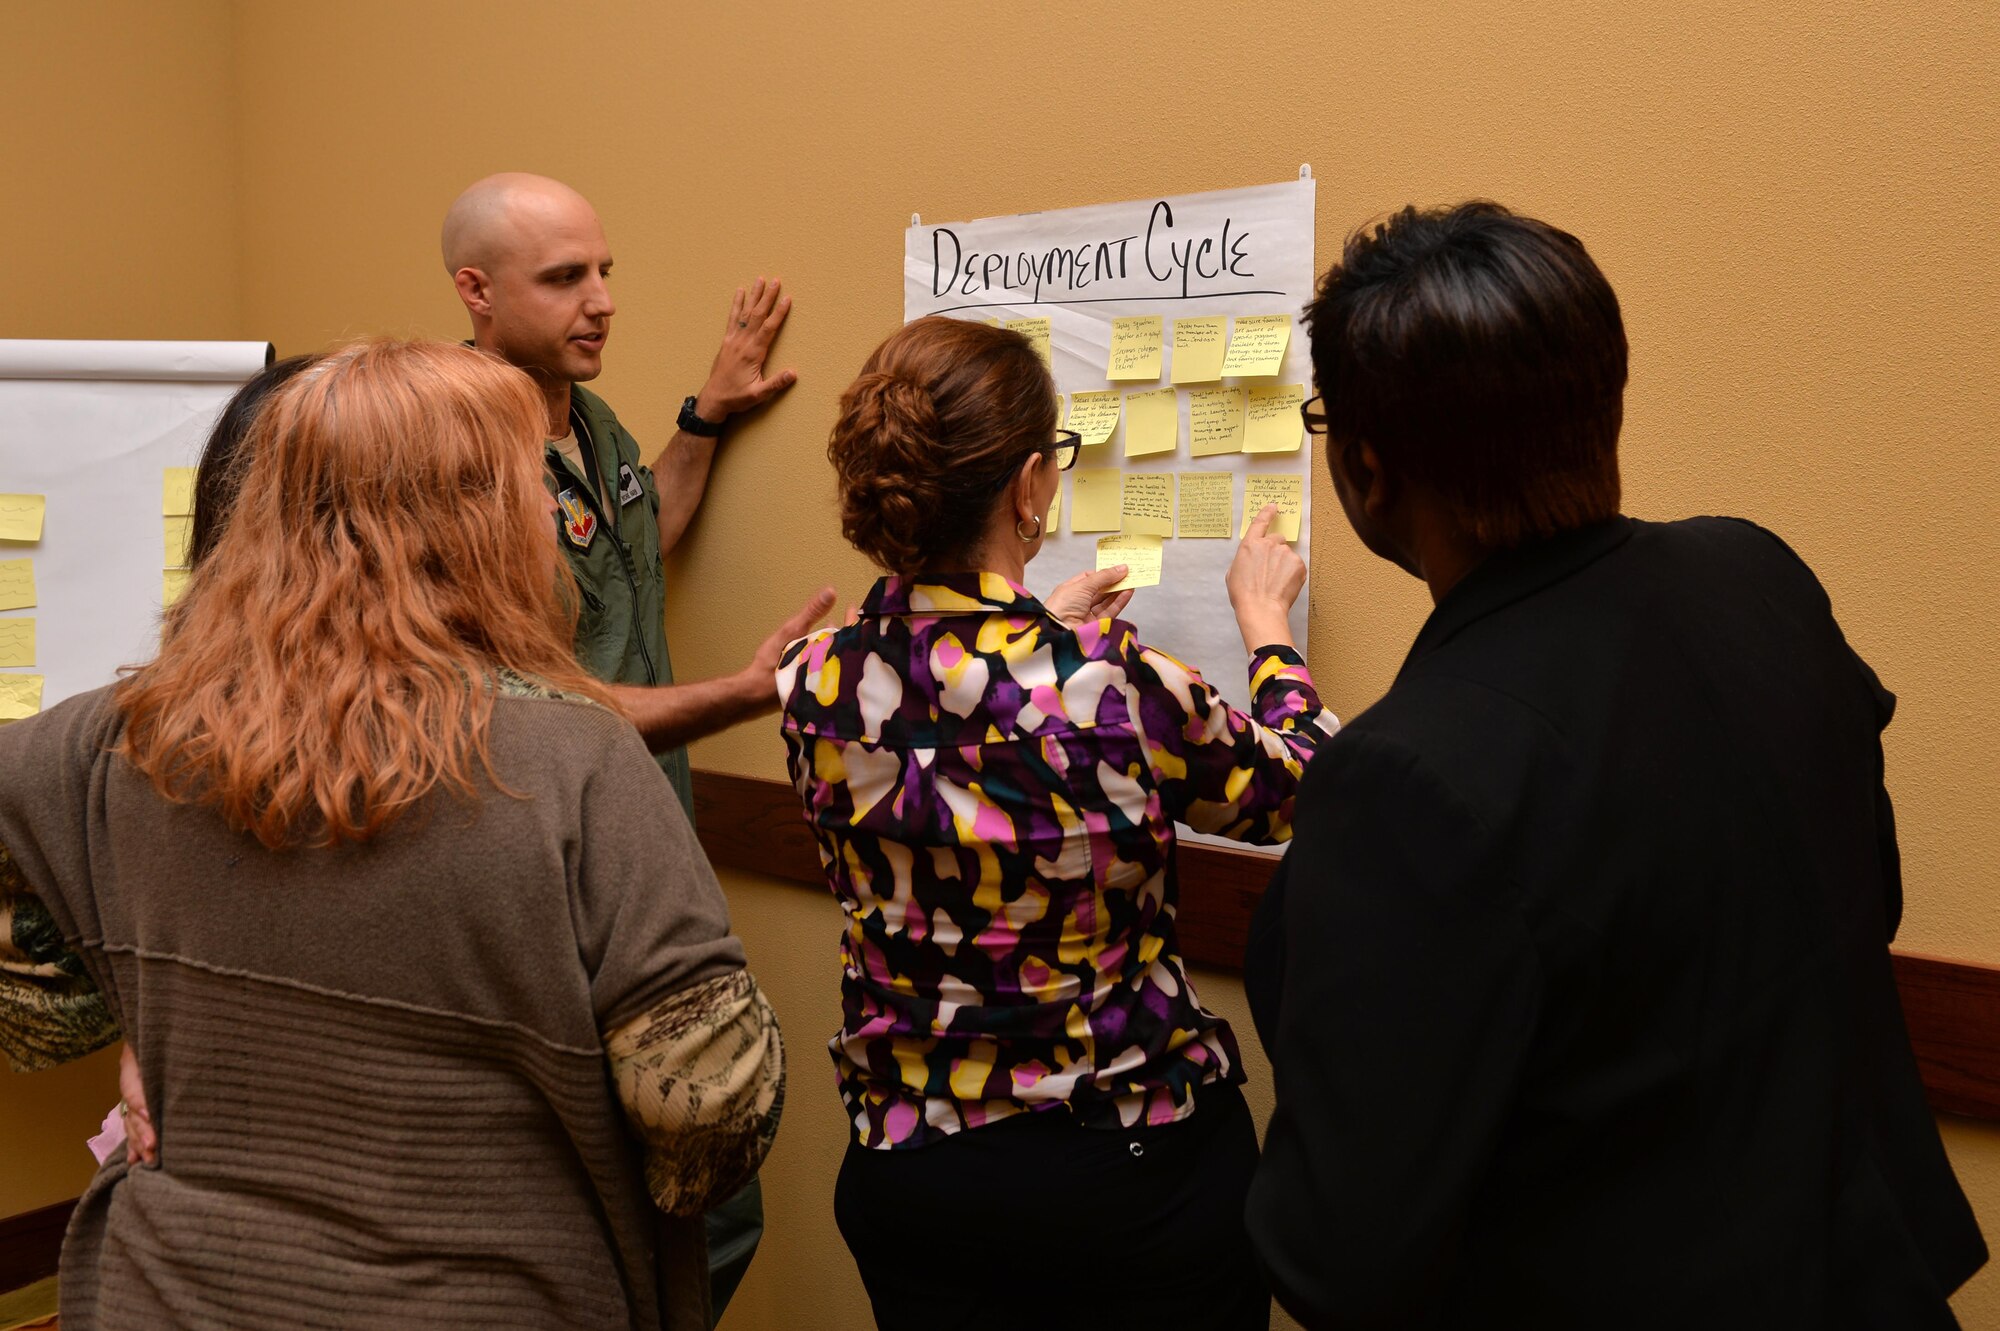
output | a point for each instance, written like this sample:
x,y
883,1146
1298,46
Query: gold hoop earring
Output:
x,y
1027,536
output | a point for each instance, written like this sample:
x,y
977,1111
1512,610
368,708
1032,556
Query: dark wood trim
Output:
x,y
1952,1007
31,1245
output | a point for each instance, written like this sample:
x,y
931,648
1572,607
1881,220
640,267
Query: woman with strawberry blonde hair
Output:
x,y
435,999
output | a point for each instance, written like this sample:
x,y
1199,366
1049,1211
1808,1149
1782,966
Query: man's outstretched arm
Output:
x,y
736,384
670,715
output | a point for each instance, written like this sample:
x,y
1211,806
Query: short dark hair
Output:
x,y
220,473
1482,355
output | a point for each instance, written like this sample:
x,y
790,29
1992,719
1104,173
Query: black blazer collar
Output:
x,y
1512,575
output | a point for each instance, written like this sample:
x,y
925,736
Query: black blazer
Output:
x,y
1576,978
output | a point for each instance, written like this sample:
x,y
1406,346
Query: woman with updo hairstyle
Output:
x,y
1047,1124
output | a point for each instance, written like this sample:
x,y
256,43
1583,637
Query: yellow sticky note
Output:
x,y
1037,333
20,697
173,582
1205,501
1215,421
180,534
1257,344
1152,422
17,642
1054,522
1198,347
1141,556
17,584
1095,415
1135,348
21,517
1146,507
177,492
1285,489
1095,498
1274,424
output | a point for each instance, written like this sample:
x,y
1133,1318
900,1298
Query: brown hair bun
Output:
x,y
943,414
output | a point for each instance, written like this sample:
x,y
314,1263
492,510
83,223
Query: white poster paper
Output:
x,y
93,427
1229,254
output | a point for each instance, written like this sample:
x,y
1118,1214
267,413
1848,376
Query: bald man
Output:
x,y
531,263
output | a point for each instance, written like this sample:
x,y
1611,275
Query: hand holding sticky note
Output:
x,y
21,517
1141,556
1286,490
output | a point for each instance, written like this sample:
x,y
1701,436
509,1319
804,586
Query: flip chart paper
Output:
x,y
1198,348
1152,422
173,582
1095,415
1215,421
1285,489
17,642
17,584
179,537
1037,333
1141,556
1274,424
1205,499
20,697
1257,344
1147,505
177,492
1095,498
1223,255
21,517
1135,348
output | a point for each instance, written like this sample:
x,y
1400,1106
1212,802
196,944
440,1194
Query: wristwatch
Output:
x,y
694,424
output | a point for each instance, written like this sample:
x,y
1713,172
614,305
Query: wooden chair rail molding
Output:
x,y
1952,1007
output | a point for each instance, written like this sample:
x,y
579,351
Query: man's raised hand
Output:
x,y
737,381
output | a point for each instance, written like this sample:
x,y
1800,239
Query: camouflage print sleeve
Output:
x,y
702,1077
50,1011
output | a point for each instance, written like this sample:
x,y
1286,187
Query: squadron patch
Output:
x,y
579,523
628,484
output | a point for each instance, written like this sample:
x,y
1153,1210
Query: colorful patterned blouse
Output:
x,y
994,796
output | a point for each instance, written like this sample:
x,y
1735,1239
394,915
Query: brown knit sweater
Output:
x,y
379,1073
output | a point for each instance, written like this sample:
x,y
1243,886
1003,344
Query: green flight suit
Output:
x,y
621,632
621,637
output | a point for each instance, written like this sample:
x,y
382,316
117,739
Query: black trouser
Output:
x,y
1036,1222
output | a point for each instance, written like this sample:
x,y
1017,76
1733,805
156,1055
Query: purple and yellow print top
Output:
x,y
994,796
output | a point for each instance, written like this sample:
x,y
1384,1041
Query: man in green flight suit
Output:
x,y
530,262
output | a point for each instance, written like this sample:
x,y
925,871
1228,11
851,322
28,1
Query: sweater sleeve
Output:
x,y
1224,771
50,1011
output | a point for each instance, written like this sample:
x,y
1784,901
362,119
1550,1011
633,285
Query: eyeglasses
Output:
x,y
1313,410
1067,446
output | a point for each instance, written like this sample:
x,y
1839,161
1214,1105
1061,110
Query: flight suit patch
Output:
x,y
579,523
628,484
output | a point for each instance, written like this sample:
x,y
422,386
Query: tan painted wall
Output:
x,y
1794,200
118,170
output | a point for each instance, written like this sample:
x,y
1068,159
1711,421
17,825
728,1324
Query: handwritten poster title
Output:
x,y
1174,259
